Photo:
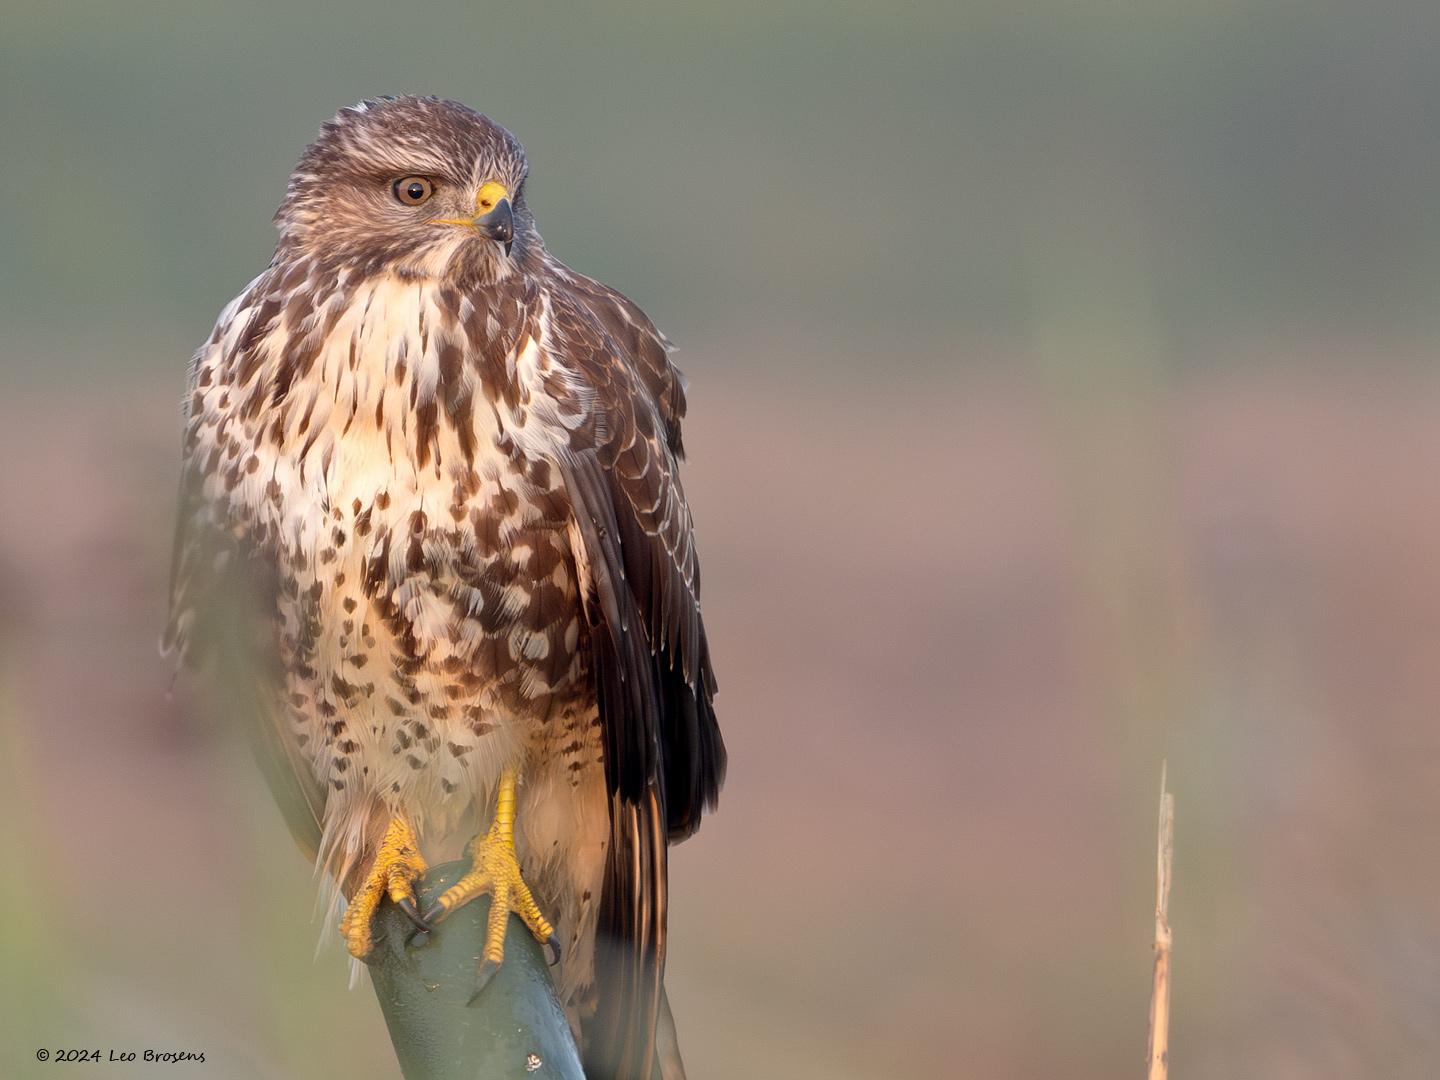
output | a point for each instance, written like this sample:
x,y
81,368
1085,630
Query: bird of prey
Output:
x,y
439,468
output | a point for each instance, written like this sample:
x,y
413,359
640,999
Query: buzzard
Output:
x,y
439,469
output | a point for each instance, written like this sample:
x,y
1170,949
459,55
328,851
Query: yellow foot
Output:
x,y
495,869
396,868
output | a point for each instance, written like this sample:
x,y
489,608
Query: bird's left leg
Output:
x,y
495,869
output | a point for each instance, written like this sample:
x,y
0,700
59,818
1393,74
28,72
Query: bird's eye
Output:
x,y
413,190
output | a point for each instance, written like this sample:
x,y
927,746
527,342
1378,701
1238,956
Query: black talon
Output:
x,y
407,905
487,971
553,947
424,924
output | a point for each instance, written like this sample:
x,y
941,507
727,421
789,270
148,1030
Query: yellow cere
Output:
x,y
489,194
486,199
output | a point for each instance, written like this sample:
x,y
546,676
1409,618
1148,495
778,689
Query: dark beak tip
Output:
x,y
499,224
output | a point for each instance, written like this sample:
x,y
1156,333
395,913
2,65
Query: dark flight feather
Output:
x,y
664,757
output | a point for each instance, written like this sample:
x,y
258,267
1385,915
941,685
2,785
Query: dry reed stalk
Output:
x,y
1160,989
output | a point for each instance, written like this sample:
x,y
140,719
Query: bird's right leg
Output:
x,y
396,868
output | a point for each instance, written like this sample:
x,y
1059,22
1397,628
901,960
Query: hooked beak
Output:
x,y
498,224
494,217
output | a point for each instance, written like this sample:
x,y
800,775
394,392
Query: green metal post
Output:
x,y
516,1029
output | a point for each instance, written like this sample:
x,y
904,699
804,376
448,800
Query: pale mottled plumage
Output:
x,y
443,477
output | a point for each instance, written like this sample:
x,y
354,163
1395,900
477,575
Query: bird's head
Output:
x,y
412,185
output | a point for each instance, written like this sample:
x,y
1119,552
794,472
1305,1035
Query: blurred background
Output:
x,y
1063,398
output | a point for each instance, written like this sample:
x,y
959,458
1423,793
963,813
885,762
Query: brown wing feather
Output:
x,y
622,474
218,614
664,757
217,617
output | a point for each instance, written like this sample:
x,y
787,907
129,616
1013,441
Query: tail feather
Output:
x,y
620,1039
668,1065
